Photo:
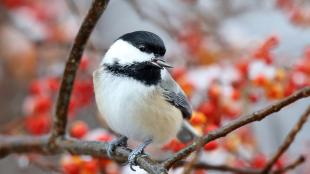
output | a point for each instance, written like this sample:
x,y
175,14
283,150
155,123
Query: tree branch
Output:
x,y
90,21
26,144
288,140
241,121
22,144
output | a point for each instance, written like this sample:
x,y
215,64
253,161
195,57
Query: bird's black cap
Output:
x,y
146,42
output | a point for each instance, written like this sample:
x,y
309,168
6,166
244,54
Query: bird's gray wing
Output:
x,y
175,95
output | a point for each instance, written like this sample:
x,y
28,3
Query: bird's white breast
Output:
x,y
135,110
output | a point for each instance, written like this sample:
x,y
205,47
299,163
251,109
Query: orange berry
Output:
x,y
280,75
198,118
187,87
275,91
260,80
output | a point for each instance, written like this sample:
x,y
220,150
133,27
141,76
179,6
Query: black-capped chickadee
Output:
x,y
137,96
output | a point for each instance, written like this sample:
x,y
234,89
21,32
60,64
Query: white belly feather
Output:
x,y
137,111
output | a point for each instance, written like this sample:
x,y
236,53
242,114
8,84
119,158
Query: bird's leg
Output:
x,y
136,152
121,141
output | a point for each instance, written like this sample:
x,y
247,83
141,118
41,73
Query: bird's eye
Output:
x,y
142,48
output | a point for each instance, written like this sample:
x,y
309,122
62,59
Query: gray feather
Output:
x,y
187,133
175,95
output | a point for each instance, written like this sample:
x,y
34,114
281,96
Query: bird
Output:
x,y
137,97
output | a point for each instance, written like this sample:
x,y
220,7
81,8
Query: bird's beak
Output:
x,y
160,63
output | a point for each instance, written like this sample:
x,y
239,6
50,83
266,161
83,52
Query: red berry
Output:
x,y
78,129
235,95
259,161
174,145
103,162
91,166
53,84
13,3
84,63
210,127
72,107
36,88
253,97
70,168
211,145
214,92
104,138
208,108
38,124
83,92
231,110
264,51
243,67
43,104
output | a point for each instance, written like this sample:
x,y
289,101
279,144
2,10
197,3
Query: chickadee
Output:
x,y
137,96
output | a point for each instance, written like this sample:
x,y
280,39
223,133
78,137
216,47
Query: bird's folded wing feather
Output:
x,y
175,95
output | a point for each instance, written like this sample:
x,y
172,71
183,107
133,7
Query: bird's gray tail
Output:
x,y
187,133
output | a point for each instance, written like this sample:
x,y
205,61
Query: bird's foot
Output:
x,y
121,141
137,152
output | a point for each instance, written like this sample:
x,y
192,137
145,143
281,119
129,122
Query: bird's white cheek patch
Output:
x,y
125,53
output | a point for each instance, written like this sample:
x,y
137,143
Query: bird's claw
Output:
x,y
121,141
139,151
132,158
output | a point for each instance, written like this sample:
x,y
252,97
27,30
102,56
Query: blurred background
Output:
x,y
231,57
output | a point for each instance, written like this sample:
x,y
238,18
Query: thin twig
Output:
x,y
188,167
241,121
292,166
226,168
90,21
288,141
222,168
165,26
